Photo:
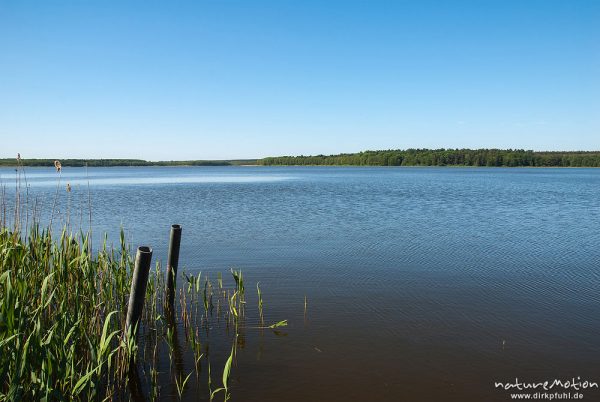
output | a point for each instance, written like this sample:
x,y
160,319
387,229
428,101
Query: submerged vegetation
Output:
x,y
446,157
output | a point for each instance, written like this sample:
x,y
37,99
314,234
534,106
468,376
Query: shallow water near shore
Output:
x,y
420,283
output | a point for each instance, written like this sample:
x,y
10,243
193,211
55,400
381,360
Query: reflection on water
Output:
x,y
421,283
43,177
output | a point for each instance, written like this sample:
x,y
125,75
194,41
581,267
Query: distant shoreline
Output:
x,y
312,166
409,157
12,162
446,157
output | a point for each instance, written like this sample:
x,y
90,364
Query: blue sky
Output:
x,y
242,79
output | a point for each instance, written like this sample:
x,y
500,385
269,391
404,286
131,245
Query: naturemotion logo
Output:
x,y
559,388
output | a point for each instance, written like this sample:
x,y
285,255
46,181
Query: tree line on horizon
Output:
x,y
408,157
446,157
113,162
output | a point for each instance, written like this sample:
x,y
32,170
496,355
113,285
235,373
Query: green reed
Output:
x,y
62,311
260,305
61,315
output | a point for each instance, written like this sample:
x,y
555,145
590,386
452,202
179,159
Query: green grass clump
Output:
x,y
61,315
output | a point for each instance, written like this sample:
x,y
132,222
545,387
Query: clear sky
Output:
x,y
241,79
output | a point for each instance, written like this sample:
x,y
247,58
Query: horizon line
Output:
x,y
297,155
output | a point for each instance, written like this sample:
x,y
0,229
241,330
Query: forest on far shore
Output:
x,y
119,162
397,157
447,157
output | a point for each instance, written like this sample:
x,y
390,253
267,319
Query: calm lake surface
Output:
x,y
421,283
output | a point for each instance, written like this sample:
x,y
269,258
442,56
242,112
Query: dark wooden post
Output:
x,y
172,263
138,288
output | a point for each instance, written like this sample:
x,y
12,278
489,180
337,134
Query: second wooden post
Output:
x,y
172,263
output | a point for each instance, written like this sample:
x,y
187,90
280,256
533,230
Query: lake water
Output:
x,y
421,283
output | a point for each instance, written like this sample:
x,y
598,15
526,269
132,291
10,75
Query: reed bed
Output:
x,y
62,315
62,312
